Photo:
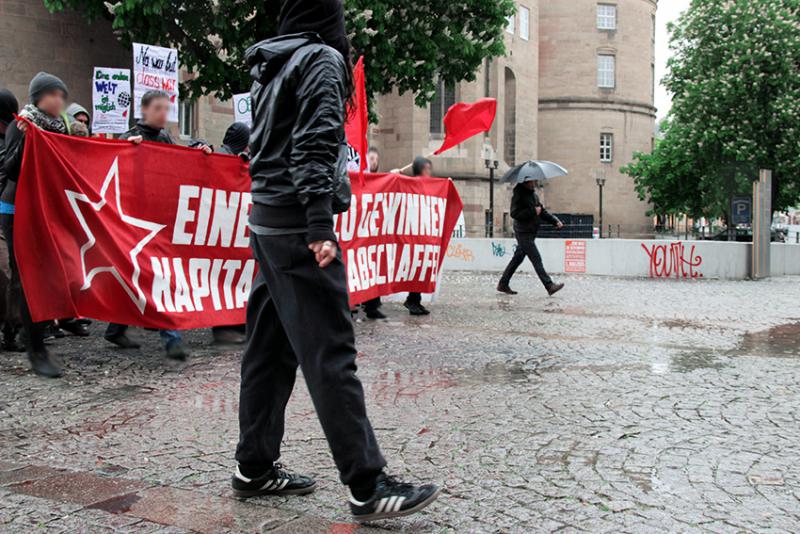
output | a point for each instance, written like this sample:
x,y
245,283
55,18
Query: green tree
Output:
x,y
407,44
735,79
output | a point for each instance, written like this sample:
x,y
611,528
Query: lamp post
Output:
x,y
492,165
601,183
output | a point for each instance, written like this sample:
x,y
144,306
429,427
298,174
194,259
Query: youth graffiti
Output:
x,y
673,260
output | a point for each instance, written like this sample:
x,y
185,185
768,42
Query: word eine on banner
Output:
x,y
196,280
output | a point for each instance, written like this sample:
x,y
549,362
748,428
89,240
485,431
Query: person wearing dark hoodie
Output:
x,y
422,167
528,213
235,143
9,300
47,95
151,127
302,83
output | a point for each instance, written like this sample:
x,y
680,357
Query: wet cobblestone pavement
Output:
x,y
618,406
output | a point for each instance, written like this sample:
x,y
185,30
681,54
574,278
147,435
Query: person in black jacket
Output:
x,y
528,212
47,94
372,307
151,127
302,81
420,167
9,300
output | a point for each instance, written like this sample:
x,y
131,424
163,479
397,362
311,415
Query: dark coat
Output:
x,y
149,133
12,162
298,141
523,211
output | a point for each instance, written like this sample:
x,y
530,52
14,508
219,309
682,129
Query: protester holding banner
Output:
x,y
9,303
422,167
372,306
47,95
151,127
301,84
78,113
236,143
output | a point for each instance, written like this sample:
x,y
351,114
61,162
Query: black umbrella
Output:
x,y
534,170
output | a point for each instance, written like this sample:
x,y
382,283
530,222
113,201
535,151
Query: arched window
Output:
x,y
443,99
510,126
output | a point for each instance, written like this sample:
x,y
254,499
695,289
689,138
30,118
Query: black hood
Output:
x,y
237,137
323,17
268,57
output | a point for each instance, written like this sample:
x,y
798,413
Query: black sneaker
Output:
x,y
123,342
375,315
416,309
274,482
393,498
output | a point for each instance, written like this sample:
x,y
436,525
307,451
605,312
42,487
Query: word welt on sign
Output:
x,y
151,235
394,236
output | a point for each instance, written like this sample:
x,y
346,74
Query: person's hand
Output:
x,y
559,225
538,210
136,139
22,126
206,149
324,252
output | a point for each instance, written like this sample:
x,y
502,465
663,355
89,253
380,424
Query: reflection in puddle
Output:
x,y
781,341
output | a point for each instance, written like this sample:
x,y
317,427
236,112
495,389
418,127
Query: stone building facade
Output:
x,y
578,74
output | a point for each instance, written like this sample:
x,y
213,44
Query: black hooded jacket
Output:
x,y
298,99
523,211
149,133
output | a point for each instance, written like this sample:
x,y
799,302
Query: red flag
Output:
x,y
358,119
152,235
395,235
466,120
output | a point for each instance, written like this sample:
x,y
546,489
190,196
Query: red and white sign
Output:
x,y
575,257
157,235
396,233
152,235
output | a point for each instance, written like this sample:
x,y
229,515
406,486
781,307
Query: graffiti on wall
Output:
x,y
673,260
460,252
498,250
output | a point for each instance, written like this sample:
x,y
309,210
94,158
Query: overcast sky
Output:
x,y
668,11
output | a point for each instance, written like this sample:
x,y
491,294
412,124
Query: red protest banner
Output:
x,y
396,233
358,118
153,236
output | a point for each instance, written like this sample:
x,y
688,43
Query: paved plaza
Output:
x,y
617,406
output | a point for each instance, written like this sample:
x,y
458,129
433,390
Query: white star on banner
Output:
x,y
135,293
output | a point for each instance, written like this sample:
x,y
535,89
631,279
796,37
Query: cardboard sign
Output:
x,y
111,100
155,67
242,110
575,257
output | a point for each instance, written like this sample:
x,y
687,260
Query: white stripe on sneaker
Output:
x,y
381,506
268,486
399,504
390,504
241,477
284,484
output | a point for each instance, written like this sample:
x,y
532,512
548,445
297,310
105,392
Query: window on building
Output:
x,y
443,99
606,147
510,113
606,17
524,23
186,118
511,25
606,71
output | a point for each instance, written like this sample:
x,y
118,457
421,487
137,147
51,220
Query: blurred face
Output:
x,y
82,118
530,185
52,103
374,160
427,170
156,113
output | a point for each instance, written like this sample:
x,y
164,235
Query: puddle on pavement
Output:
x,y
781,341
391,385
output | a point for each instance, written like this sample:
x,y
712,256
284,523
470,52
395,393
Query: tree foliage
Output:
x,y
407,44
735,79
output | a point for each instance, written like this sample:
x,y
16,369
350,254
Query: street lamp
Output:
x,y
491,164
601,183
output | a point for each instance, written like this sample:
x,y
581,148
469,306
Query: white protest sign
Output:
x,y
111,100
155,67
242,110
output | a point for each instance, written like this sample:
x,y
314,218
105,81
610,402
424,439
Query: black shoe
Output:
x,y
123,342
84,321
552,289
393,498
416,309
10,341
75,328
274,482
228,336
177,352
43,364
376,315
52,331
505,288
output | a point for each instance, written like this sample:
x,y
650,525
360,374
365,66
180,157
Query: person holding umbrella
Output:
x,y
528,213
